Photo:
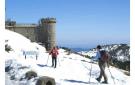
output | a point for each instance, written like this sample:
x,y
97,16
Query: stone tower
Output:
x,y
48,32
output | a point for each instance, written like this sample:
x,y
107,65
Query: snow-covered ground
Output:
x,y
71,69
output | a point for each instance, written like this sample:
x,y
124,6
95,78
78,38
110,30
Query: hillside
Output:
x,y
119,53
72,69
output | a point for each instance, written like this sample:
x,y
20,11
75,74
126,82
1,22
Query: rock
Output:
x,y
45,80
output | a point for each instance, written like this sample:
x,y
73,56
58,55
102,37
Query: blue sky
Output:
x,y
80,23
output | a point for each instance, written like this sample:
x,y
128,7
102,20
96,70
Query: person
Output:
x,y
102,65
54,53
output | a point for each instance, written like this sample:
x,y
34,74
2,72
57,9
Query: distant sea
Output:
x,y
80,49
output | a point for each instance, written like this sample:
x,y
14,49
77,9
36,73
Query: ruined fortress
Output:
x,y
43,32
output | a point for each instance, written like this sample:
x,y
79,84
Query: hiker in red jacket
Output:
x,y
54,53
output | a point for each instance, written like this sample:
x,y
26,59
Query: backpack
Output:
x,y
104,56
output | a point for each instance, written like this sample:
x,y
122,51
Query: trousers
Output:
x,y
54,61
102,66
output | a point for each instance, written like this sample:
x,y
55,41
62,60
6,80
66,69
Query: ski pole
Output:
x,y
111,75
59,61
90,72
47,60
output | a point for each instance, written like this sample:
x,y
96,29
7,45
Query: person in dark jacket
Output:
x,y
54,53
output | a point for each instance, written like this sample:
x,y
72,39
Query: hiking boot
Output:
x,y
105,82
98,79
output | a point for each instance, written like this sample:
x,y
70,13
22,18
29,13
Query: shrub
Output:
x,y
7,48
86,56
8,68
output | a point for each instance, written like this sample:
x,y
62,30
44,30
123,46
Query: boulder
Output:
x,y
45,80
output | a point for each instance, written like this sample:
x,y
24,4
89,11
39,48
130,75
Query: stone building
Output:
x,y
43,32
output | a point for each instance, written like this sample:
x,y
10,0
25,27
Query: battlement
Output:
x,y
48,20
26,25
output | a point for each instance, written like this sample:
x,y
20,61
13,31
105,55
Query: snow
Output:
x,y
88,53
71,69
